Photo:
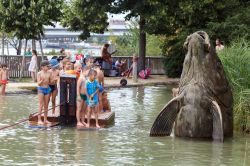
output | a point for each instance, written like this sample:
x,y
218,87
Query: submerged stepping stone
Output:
x,y
34,124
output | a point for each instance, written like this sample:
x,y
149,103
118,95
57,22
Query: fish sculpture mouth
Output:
x,y
203,107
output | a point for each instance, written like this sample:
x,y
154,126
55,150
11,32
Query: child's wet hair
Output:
x,y
3,65
65,61
44,63
91,72
77,65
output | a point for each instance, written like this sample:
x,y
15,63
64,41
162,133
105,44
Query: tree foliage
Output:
x,y
86,16
128,43
25,18
225,19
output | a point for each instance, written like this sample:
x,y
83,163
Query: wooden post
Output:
x,y
135,60
67,99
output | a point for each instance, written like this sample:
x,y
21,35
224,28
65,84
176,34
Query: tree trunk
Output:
x,y
142,45
41,47
19,50
33,44
8,51
23,60
135,58
3,44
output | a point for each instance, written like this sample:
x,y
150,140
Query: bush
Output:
x,y
174,53
236,62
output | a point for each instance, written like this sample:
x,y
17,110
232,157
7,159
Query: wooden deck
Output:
x,y
105,119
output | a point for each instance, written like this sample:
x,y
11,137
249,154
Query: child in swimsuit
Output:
x,y
105,101
77,69
81,100
53,85
43,79
91,90
4,78
100,79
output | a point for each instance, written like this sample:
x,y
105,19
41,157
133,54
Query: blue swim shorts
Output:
x,y
44,91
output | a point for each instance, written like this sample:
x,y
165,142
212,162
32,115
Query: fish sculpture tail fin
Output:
x,y
164,122
218,133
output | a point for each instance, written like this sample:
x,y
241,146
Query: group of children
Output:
x,y
3,78
91,97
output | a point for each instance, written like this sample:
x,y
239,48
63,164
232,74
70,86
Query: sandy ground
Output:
x,y
110,82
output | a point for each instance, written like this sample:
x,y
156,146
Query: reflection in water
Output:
x,y
2,107
125,143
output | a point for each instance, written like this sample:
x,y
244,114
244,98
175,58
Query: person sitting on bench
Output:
x,y
120,66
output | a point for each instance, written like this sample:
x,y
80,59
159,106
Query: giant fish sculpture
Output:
x,y
203,107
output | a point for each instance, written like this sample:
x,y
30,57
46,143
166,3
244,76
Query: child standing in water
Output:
x,y
4,78
105,102
100,79
54,79
81,99
43,79
91,89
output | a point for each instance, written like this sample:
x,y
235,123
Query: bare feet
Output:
x,y
87,125
83,123
97,126
79,124
40,122
47,122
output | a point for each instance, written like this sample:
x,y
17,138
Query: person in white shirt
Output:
x,y
219,46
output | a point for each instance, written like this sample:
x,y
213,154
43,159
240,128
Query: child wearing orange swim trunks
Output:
x,y
4,78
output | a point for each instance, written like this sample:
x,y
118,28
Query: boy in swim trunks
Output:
x,y
100,79
91,91
43,79
53,85
4,78
81,99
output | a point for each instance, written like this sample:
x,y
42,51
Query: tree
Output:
x,y
91,16
86,16
127,44
141,10
26,18
226,19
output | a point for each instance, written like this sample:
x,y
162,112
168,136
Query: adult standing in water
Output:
x,y
33,65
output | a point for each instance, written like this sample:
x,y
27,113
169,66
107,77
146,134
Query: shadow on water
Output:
x,y
127,142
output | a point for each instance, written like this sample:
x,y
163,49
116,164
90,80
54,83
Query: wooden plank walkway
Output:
x,y
105,119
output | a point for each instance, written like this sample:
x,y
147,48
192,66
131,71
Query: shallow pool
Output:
x,y
127,142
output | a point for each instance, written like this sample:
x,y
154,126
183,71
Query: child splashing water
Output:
x,y
91,90
43,79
